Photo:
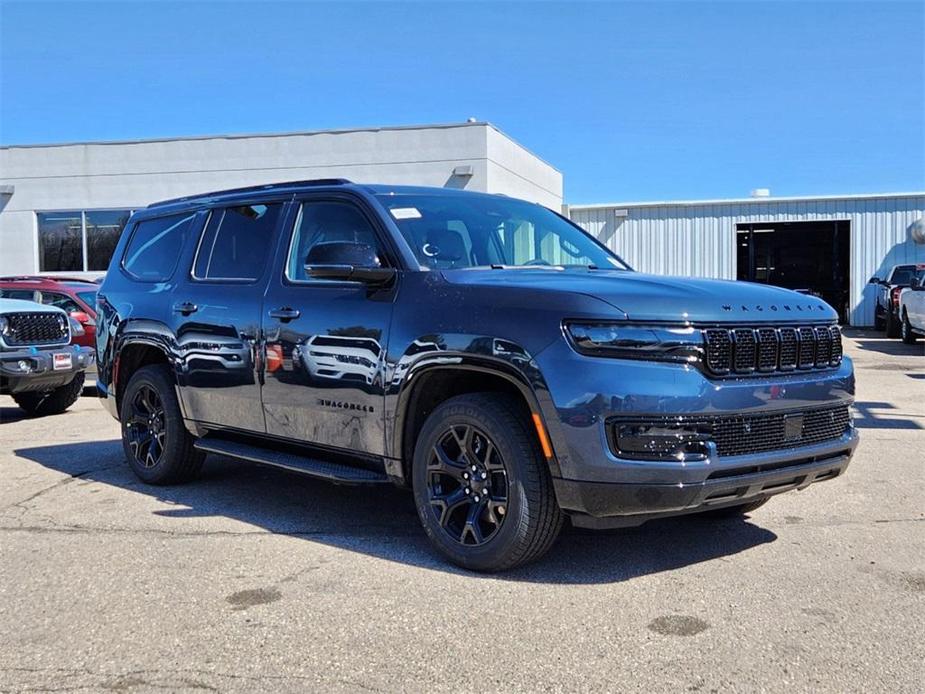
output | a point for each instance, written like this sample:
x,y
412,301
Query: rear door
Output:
x,y
216,314
326,339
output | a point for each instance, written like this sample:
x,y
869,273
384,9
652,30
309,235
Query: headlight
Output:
x,y
4,326
637,341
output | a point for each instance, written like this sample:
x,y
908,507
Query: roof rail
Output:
x,y
44,278
249,189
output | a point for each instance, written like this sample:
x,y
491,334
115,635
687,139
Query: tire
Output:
x,y
878,320
906,330
55,401
510,515
892,325
157,445
735,511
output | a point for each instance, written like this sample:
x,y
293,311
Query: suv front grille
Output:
x,y
736,435
731,351
36,329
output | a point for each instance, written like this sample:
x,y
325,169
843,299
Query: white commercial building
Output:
x,y
828,245
62,206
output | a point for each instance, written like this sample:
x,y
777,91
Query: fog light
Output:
x,y
661,441
24,365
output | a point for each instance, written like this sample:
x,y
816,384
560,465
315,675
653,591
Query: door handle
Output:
x,y
185,307
285,314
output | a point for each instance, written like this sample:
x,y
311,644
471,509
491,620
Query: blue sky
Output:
x,y
631,101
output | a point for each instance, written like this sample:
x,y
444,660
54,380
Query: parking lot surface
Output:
x,y
252,579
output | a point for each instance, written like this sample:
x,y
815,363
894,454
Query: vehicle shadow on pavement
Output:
x,y
382,521
11,414
873,341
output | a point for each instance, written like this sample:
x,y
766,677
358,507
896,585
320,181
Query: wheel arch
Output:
x,y
134,353
429,385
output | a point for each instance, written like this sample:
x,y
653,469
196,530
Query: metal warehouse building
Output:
x,y
62,207
830,245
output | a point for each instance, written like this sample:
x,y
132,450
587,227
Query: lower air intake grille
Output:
x,y
736,435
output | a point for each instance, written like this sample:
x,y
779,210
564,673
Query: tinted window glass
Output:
x,y
89,298
155,247
60,241
62,301
103,230
327,222
454,231
902,275
21,294
236,242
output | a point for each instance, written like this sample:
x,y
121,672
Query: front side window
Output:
x,y
236,242
155,247
60,241
319,226
455,231
62,301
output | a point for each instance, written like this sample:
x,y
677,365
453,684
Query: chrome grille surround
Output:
x,y
766,349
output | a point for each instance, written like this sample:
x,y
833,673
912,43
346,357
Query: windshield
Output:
x,y
456,231
903,275
89,298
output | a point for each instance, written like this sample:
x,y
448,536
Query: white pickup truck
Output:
x,y
912,309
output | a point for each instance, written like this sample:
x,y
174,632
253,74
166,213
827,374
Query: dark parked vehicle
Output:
x,y
482,350
886,310
77,297
39,365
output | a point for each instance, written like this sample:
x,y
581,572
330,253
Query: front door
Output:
x,y
217,313
325,340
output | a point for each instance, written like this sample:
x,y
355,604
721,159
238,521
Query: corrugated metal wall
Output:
x,y
699,239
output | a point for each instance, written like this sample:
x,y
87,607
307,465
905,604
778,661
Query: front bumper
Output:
x,y
40,372
585,394
741,480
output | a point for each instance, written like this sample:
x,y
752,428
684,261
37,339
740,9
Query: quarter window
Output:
x,y
236,242
155,247
327,222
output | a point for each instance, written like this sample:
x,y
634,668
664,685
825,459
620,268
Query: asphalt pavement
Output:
x,y
253,579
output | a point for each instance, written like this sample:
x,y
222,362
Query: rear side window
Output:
x,y
236,242
155,247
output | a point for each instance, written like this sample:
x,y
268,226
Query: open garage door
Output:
x,y
810,257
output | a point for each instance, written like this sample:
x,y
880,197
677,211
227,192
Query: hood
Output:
x,y
20,306
660,298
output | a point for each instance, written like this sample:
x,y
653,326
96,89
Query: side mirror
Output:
x,y
344,260
81,317
874,280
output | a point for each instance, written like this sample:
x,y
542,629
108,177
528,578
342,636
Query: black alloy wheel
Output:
x,y
482,486
157,445
146,427
467,485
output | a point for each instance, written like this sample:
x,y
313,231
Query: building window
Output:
x,y
60,241
103,230
79,240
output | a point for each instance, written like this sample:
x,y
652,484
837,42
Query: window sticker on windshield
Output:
x,y
405,213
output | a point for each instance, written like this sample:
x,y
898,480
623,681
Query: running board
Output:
x,y
333,472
